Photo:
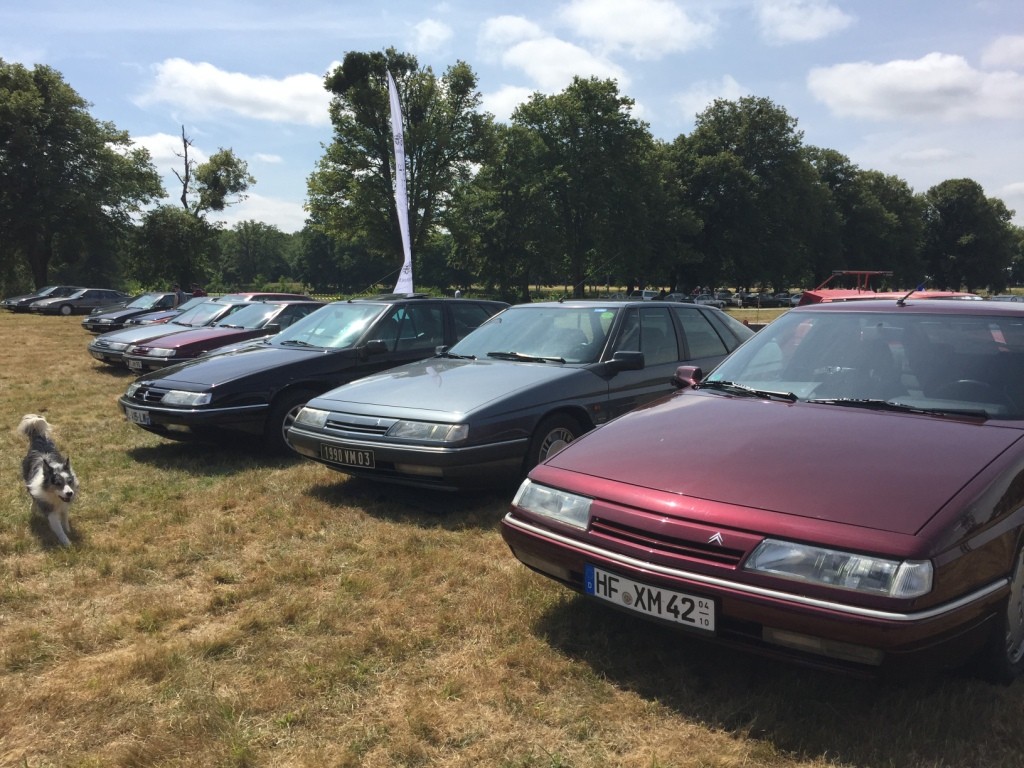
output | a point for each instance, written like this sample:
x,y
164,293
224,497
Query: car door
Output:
x,y
649,330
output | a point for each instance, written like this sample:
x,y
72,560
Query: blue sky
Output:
x,y
927,90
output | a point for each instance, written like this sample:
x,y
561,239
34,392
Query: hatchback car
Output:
x,y
256,320
515,390
110,347
102,320
880,527
258,388
81,302
22,303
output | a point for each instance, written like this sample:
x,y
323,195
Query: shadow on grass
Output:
x,y
942,719
213,456
416,506
114,371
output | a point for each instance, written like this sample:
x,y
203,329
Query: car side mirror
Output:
x,y
687,376
376,347
440,349
626,361
272,328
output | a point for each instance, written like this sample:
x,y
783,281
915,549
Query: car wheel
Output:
x,y
553,434
282,414
1003,660
65,309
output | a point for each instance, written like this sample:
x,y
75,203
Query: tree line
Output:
x,y
573,191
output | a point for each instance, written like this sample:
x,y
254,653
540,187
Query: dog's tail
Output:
x,y
34,426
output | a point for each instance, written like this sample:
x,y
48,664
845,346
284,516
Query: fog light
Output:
x,y
823,646
419,469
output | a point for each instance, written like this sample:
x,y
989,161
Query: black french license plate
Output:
x,y
349,457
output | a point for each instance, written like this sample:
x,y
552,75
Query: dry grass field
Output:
x,y
219,608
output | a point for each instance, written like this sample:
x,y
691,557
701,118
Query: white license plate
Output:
x,y
135,365
678,607
349,457
136,417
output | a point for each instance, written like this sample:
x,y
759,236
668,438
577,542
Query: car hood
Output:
x,y
815,461
139,333
452,386
251,360
205,337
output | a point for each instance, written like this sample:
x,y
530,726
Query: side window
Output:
x,y
421,327
702,340
290,314
628,339
657,336
466,317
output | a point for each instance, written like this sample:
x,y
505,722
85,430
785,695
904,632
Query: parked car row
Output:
x,y
65,300
880,529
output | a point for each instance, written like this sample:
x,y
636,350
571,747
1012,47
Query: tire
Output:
x,y
282,414
65,309
1003,659
553,434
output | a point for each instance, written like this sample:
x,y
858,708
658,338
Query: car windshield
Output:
x,y
145,301
250,317
334,326
917,362
560,333
205,313
192,303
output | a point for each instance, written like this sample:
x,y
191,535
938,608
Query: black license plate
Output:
x,y
349,457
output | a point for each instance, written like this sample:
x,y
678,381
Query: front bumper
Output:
x,y
809,631
178,422
425,466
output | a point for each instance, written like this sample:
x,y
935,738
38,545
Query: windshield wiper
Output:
x,y
453,356
296,343
744,391
889,405
525,358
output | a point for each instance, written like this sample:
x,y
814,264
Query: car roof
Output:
x,y
583,303
922,306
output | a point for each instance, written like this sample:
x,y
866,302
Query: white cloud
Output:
x,y
699,96
646,29
286,215
796,21
503,102
551,63
431,36
1005,53
934,87
202,89
503,31
166,151
265,158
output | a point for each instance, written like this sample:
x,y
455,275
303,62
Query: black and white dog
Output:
x,y
48,476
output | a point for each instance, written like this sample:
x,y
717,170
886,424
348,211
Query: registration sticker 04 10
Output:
x,y
678,607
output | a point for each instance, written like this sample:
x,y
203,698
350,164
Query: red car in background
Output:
x,y
262,318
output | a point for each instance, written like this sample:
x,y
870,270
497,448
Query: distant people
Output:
x,y
196,290
179,295
458,294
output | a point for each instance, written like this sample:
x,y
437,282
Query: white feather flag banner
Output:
x,y
404,284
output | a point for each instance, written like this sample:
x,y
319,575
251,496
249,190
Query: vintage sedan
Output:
x,y
879,528
257,320
103,320
257,389
81,302
22,303
515,390
110,347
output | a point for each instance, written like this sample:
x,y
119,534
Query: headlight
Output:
x,y
177,397
132,389
154,352
550,502
425,430
116,346
312,417
844,570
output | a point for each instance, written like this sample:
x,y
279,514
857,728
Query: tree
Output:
x,y
173,246
968,240
595,169
754,190
214,185
252,252
69,183
351,192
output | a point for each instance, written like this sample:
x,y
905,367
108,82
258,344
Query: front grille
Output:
x,y
671,547
351,424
